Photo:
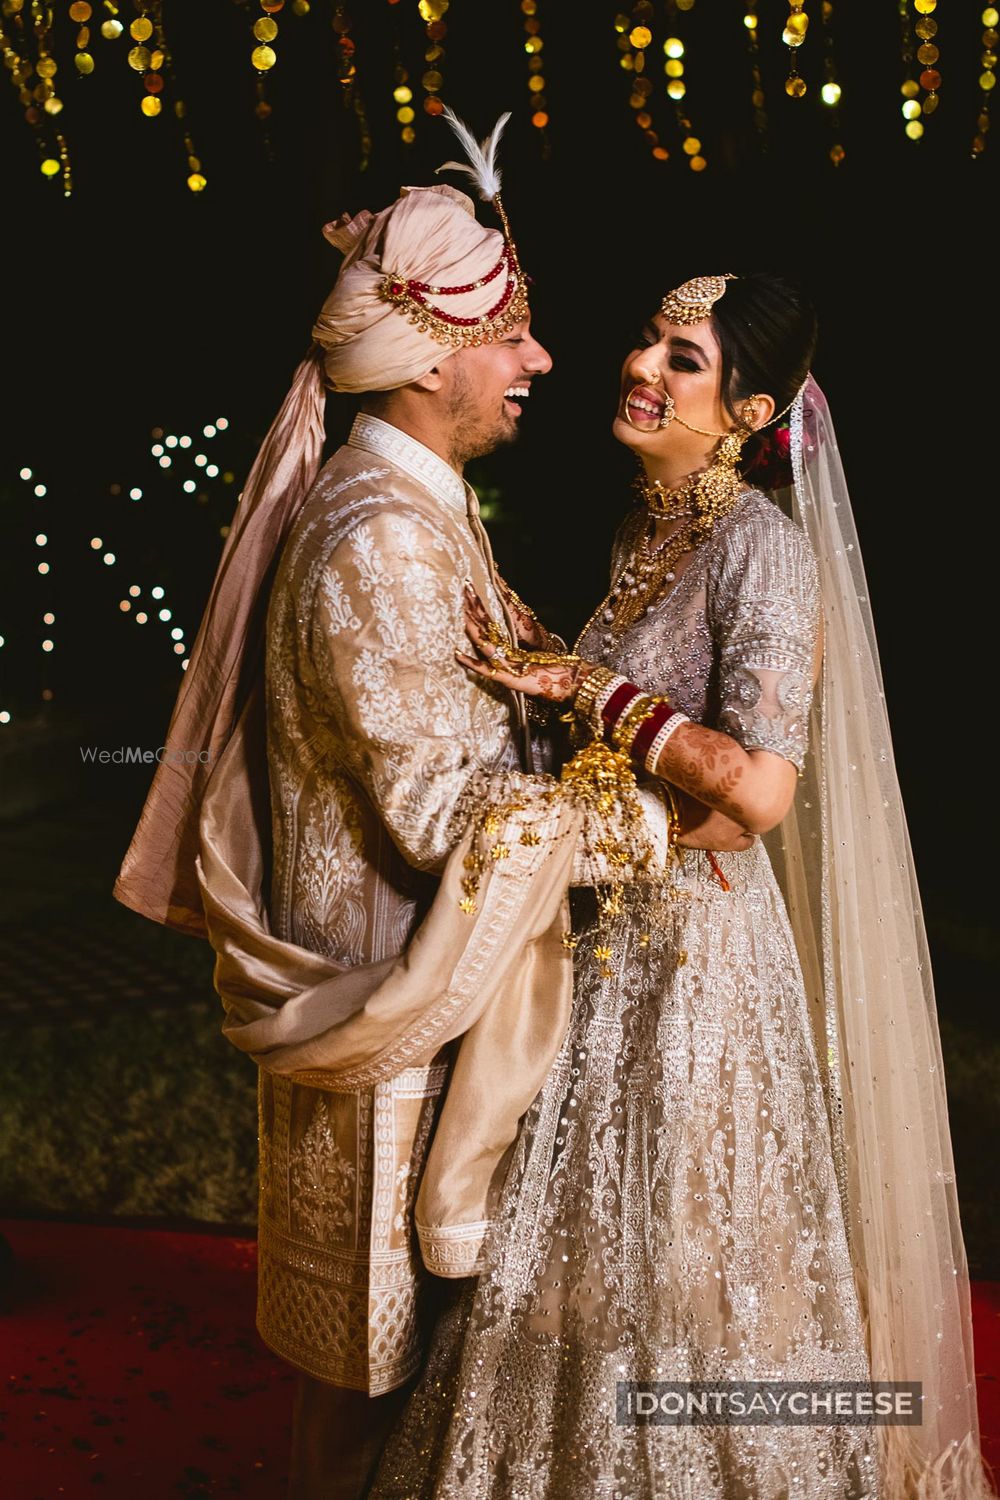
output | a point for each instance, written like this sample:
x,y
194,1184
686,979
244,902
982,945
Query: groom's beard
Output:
x,y
479,425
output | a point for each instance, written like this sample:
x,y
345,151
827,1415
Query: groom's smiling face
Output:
x,y
487,387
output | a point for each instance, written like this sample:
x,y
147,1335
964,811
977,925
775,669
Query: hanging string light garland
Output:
x,y
634,35
46,68
265,31
793,37
674,51
80,12
831,92
987,78
347,72
154,82
910,88
432,13
263,57
402,93
111,27
928,54
533,45
31,39
150,62
40,101
751,24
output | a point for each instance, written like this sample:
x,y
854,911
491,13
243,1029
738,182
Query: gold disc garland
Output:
x,y
910,88
152,58
111,28
634,35
432,13
41,102
80,12
347,73
928,54
263,58
831,92
987,77
793,37
675,53
29,27
751,24
402,93
154,83
533,44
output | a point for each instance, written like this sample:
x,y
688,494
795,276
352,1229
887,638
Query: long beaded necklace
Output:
x,y
700,501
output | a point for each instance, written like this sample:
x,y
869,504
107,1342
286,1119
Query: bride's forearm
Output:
x,y
755,788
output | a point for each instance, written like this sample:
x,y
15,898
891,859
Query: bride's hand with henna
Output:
x,y
558,679
704,828
530,630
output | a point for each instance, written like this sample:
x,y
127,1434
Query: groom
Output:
x,y
375,735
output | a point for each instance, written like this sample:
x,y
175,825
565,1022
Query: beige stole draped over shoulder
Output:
x,y
499,977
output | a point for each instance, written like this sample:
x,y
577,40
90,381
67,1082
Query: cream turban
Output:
x,y
430,235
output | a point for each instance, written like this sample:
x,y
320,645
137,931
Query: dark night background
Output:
x,y
136,305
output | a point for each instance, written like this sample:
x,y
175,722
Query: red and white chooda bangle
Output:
x,y
621,697
673,721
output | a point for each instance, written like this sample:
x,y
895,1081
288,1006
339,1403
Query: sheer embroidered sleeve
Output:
x,y
764,612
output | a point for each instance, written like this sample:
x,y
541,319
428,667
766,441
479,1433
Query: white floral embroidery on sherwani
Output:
x,y
672,1209
380,746
373,733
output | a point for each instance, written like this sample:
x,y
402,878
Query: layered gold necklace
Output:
x,y
698,502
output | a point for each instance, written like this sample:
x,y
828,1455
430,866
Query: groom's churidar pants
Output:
x,y
337,1438
338,1434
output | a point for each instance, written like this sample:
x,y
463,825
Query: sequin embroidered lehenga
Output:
x,y
678,1203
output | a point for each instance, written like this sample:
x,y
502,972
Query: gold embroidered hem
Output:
x,y
339,1171
455,1250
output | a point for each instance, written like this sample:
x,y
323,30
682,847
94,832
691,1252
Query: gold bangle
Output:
x,y
589,690
627,727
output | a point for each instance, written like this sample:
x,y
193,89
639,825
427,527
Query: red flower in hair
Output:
x,y
769,466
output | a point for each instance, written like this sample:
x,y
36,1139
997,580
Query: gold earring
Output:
x,y
748,413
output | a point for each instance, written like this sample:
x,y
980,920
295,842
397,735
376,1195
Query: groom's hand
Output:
x,y
704,828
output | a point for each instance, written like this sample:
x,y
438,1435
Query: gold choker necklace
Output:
x,y
665,504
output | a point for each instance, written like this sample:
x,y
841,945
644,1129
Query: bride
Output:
x,y
739,1166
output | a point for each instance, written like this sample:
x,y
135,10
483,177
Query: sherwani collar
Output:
x,y
416,460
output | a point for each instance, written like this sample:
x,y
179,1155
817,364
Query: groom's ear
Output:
x,y
432,381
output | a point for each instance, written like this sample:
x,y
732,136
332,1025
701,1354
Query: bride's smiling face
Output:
x,y
683,362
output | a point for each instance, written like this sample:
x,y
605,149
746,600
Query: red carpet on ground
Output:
x,y
133,1371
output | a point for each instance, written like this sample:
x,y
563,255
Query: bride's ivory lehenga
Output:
x,y
672,1208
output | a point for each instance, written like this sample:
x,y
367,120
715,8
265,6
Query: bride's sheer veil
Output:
x,y
844,861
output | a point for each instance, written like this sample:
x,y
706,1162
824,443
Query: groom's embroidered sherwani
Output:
x,y
373,734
